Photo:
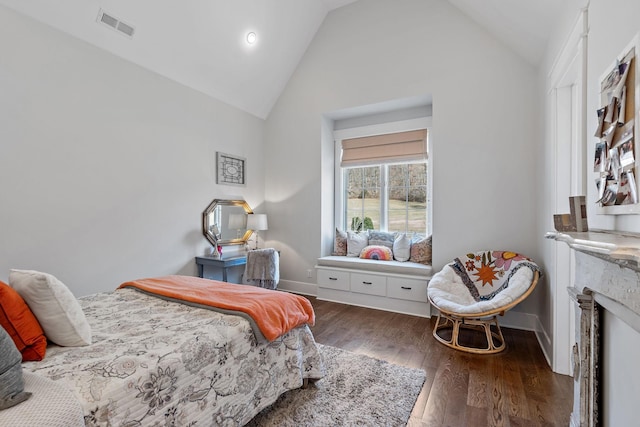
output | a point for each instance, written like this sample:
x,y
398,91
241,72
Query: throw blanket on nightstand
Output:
x,y
263,268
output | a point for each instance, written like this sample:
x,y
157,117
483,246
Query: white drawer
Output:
x,y
410,289
369,284
333,279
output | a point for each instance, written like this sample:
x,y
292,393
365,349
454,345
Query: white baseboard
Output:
x,y
519,320
528,322
511,319
545,344
303,288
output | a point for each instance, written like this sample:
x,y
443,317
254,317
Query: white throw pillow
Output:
x,y
402,247
356,242
55,307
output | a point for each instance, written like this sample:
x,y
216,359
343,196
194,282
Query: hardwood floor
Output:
x,y
512,388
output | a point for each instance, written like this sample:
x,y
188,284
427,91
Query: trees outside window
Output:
x,y
388,197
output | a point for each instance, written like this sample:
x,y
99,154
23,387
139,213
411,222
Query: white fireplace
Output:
x,y
606,353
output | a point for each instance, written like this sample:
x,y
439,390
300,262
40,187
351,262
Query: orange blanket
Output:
x,y
274,312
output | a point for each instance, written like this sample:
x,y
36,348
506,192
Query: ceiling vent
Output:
x,y
115,24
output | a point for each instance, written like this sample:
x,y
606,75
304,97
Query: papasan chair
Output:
x,y
472,290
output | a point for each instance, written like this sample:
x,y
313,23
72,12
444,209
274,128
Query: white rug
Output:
x,y
357,391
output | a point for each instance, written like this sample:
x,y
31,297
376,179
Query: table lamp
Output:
x,y
257,222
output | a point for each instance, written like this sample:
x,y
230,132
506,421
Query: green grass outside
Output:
x,y
397,215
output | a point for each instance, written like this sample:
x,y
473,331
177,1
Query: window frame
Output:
x,y
383,128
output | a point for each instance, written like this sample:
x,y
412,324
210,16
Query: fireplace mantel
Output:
x,y
616,246
607,274
622,284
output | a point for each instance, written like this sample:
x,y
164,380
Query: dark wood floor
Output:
x,y
512,388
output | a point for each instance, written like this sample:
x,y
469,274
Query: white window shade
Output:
x,y
389,148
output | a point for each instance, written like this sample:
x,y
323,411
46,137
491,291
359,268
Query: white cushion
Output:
x,y
448,292
391,267
55,307
402,247
356,242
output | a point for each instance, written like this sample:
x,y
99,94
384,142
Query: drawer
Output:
x,y
333,279
409,289
369,284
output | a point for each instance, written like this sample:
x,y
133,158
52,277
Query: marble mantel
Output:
x,y
621,284
607,274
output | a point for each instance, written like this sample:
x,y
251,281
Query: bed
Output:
x,y
154,361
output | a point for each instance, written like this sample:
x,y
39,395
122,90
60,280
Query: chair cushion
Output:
x,y
481,282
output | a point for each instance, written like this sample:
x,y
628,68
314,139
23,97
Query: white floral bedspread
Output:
x,y
157,362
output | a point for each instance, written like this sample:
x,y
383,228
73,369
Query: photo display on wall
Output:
x,y
614,161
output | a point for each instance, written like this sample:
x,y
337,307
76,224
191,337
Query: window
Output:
x,y
382,179
386,197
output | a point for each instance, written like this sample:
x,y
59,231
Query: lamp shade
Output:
x,y
237,221
257,222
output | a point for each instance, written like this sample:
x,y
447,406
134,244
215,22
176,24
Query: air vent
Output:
x,y
115,24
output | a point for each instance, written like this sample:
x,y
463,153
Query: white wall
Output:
x,y
612,25
484,127
106,167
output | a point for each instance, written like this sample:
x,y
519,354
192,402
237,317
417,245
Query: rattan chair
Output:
x,y
473,290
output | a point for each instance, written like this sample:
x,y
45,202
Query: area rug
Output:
x,y
356,391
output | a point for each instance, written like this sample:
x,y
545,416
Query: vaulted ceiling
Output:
x,y
202,43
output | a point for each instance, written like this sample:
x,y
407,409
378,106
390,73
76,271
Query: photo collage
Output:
x,y
614,162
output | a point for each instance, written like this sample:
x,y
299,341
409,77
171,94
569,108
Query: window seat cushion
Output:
x,y
396,267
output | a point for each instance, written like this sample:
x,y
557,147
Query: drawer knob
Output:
x,y
333,278
408,288
367,283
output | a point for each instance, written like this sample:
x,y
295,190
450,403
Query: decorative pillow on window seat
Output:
x,y
340,243
421,250
382,238
356,242
402,247
377,252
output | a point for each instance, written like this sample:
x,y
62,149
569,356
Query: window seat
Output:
x,y
395,286
396,267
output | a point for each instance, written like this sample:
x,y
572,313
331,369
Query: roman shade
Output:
x,y
388,148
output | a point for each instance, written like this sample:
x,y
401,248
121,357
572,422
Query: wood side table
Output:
x,y
224,264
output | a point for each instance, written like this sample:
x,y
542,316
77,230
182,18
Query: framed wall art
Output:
x,y
230,169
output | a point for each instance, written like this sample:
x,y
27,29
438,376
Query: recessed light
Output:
x,y
251,37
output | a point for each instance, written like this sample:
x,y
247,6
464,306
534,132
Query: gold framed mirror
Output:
x,y
224,222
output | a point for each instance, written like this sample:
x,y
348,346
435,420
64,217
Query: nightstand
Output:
x,y
224,264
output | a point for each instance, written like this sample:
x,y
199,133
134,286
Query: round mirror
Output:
x,y
224,222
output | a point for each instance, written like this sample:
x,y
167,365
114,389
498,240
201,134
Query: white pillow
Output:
x,y
55,307
356,242
402,247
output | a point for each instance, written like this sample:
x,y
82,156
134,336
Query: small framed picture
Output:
x,y
230,169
